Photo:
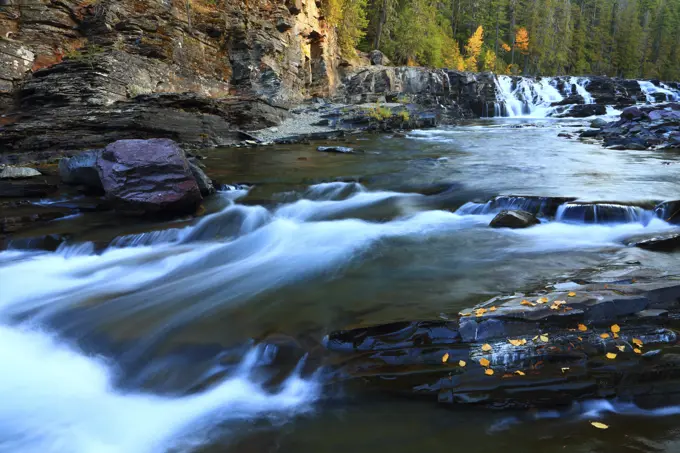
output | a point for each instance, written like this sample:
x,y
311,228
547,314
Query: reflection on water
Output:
x,y
322,242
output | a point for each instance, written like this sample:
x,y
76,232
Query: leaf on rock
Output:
x,y
493,309
488,372
637,351
565,369
520,373
445,358
484,362
542,300
462,362
621,348
615,328
582,327
465,314
543,338
611,355
604,336
572,294
486,347
517,342
527,303
599,425
637,342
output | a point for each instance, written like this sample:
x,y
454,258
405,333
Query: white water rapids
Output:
x,y
57,399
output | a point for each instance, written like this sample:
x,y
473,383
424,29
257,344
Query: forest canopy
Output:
x,y
625,38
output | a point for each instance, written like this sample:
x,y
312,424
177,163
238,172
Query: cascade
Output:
x,y
661,93
602,213
524,96
580,84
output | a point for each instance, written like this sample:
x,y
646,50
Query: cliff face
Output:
x,y
69,68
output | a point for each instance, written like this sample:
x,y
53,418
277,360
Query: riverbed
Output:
x,y
136,341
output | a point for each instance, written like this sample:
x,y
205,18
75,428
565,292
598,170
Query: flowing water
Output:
x,y
140,339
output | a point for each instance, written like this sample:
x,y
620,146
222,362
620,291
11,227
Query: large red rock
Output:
x,y
143,177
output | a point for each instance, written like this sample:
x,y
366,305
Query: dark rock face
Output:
x,y
377,58
148,177
643,127
668,242
205,184
514,219
26,188
669,211
585,110
82,170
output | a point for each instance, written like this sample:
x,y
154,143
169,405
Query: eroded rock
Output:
x,y
514,219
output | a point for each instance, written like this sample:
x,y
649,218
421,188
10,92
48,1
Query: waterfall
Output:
x,y
523,96
655,93
580,84
603,213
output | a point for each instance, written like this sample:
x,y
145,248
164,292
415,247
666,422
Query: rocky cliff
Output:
x,y
79,73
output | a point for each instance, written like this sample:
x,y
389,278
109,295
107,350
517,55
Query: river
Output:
x,y
126,341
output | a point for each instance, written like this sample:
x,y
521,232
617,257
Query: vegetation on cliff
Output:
x,y
627,38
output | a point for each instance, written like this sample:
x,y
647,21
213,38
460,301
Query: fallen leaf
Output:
x,y
560,302
564,370
615,328
486,347
611,355
604,336
579,338
572,294
621,348
637,342
582,327
445,358
544,338
616,335
465,314
484,362
492,309
542,300
518,342
488,372
481,311
527,303
462,363
599,425
637,351
520,373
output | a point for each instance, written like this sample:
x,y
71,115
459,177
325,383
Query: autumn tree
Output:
x,y
473,49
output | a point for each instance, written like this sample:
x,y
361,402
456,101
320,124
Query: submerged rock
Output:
x,y
148,177
18,173
514,219
336,149
598,123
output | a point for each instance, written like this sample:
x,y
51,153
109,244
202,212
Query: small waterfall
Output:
x,y
580,84
541,206
661,93
526,97
602,213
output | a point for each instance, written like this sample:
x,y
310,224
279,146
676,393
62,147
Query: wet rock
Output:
x,y
668,242
148,177
590,133
585,110
514,219
26,188
82,170
336,149
377,58
632,113
669,211
598,123
565,135
18,172
205,184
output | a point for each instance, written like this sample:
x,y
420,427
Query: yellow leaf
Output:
x,y
484,362
527,303
637,351
465,314
542,300
520,373
582,327
580,338
492,309
572,294
462,363
559,302
621,348
616,335
518,342
486,347
611,355
615,328
488,372
445,358
544,338
481,311
564,370
599,425
637,342
604,336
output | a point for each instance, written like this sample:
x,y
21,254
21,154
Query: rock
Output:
x,y
565,135
584,110
148,177
598,123
82,170
632,113
514,219
669,211
205,184
26,188
590,133
18,173
377,58
668,242
336,149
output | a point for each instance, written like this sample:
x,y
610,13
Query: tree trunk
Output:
x,y
381,23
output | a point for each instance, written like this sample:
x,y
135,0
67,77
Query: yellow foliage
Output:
x,y
505,47
473,49
522,40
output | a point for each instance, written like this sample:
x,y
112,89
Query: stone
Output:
x,y
667,242
82,170
377,58
514,219
632,113
205,184
18,172
598,123
143,177
669,211
585,110
336,149
26,188
590,133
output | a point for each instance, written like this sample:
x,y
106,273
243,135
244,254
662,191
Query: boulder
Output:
x,y
82,170
335,149
669,211
205,184
148,177
668,242
377,58
598,123
18,173
514,219
585,110
632,113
